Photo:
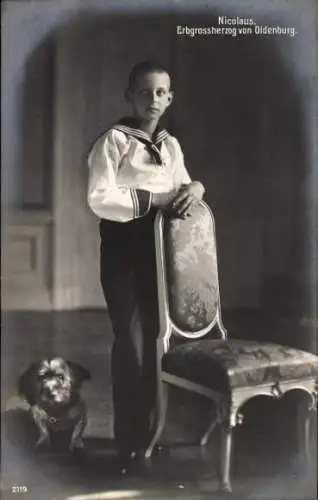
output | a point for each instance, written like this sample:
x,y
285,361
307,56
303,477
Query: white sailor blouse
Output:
x,y
126,167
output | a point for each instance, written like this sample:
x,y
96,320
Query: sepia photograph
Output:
x,y
159,249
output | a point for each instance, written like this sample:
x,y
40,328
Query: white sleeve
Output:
x,y
105,198
180,172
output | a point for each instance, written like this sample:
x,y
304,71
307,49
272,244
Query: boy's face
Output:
x,y
150,96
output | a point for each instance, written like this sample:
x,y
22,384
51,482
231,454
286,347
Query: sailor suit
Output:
x,y
126,167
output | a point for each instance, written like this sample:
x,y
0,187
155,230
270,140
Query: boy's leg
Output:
x,y
118,285
128,275
146,286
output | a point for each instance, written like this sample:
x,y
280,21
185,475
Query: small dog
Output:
x,y
51,388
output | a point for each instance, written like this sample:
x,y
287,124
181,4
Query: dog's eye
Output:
x,y
60,377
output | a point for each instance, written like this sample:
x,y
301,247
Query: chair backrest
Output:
x,y
188,286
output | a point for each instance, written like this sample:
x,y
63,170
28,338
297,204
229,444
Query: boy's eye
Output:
x,y
147,93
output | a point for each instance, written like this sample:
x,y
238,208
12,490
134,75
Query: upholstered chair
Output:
x,y
193,349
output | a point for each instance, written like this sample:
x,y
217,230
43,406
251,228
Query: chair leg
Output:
x,y
226,455
206,436
309,419
218,419
161,412
232,418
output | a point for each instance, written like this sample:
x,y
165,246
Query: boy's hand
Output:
x,y
188,194
162,200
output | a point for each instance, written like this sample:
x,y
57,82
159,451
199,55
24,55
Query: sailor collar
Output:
x,y
130,127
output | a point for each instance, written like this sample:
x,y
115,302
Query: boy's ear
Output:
x,y
170,97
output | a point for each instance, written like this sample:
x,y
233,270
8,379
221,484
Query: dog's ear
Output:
x,y
27,384
78,372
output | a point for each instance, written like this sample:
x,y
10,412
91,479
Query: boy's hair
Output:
x,y
141,68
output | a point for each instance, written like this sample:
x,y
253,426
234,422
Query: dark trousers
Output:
x,y
128,277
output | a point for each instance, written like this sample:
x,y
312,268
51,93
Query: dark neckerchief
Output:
x,y
129,126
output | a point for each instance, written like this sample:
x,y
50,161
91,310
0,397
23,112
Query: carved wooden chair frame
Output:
x,y
228,413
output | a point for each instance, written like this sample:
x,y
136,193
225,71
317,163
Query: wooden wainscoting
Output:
x,y
26,261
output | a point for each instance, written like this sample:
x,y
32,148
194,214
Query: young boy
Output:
x,y
136,168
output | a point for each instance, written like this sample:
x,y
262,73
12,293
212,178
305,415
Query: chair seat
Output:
x,y
228,364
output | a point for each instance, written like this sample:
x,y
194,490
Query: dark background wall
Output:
x,y
244,113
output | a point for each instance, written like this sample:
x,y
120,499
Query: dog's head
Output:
x,y
52,381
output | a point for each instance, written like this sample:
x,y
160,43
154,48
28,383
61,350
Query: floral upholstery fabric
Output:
x,y
226,364
191,267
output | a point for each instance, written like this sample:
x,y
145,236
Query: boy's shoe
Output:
x,y
125,461
132,459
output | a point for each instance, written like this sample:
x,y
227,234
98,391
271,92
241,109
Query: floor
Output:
x,y
267,463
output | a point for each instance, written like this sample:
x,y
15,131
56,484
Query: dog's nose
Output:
x,y
51,384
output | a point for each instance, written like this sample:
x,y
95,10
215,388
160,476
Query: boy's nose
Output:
x,y
154,97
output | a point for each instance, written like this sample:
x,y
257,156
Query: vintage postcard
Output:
x,y
137,139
